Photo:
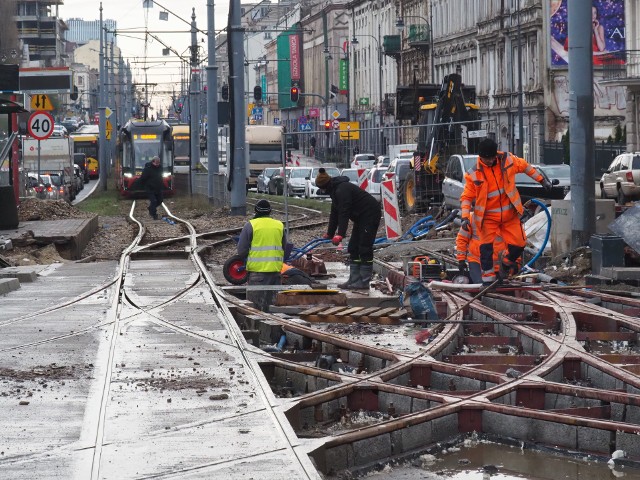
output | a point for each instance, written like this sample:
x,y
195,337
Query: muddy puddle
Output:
x,y
489,461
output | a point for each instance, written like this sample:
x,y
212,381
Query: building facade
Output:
x,y
81,31
41,32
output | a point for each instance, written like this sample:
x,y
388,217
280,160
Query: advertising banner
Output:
x,y
344,76
607,36
294,51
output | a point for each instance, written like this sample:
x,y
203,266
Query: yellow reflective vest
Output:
x,y
266,253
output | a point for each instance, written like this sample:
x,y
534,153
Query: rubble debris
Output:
x,y
33,209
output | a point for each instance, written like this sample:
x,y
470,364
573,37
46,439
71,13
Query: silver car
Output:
x,y
297,181
263,179
453,183
622,179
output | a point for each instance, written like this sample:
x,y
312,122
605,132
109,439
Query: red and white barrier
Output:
x,y
393,227
363,182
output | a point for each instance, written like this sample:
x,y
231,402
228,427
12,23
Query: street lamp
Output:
x,y
354,41
327,57
400,27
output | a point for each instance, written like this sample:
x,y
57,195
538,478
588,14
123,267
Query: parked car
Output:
x,y
383,161
59,131
276,181
263,179
558,175
453,183
351,173
398,171
375,177
622,179
311,191
363,160
297,180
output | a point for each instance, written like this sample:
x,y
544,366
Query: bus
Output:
x,y
263,150
138,143
181,149
85,140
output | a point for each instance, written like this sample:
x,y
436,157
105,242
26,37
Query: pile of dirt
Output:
x,y
571,268
33,209
111,238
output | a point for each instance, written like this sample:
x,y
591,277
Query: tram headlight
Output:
x,y
166,174
128,175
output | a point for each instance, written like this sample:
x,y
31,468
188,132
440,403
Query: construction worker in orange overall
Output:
x,y
468,253
490,187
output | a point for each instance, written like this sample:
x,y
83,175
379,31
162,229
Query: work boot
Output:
x,y
354,276
366,271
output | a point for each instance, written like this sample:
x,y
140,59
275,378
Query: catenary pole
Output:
x,y
581,119
194,107
213,162
102,140
237,95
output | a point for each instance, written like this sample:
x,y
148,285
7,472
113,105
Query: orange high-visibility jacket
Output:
x,y
468,246
476,188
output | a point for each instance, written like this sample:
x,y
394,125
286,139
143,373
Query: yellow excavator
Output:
x,y
443,129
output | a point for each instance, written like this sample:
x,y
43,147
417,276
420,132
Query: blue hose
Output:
x,y
546,237
282,342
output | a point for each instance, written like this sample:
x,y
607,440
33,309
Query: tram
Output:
x,y
138,143
181,149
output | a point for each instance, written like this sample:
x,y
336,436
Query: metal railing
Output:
x,y
619,65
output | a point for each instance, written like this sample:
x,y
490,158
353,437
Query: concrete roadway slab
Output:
x,y
182,401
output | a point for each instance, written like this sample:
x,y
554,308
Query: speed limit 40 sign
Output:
x,y
40,125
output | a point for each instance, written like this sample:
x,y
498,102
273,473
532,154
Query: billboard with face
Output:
x,y
607,32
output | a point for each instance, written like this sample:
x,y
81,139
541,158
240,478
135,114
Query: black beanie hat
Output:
x,y
263,207
487,148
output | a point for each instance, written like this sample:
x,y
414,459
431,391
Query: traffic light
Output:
x,y
225,92
257,93
327,124
295,94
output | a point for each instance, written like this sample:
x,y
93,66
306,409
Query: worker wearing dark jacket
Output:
x,y
350,202
490,187
262,243
151,180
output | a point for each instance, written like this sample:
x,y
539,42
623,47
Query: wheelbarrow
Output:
x,y
234,269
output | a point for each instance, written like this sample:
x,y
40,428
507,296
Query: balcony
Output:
x,y
621,68
419,36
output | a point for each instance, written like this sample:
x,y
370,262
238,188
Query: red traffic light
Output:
x,y
327,124
295,94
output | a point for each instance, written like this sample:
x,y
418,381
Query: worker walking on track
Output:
x,y
262,243
350,202
490,188
151,180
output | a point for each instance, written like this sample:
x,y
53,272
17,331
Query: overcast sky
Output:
x,y
131,16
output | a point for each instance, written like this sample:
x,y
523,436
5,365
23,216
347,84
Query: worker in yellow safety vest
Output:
x,y
262,243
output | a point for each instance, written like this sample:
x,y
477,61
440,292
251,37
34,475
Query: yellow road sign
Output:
x,y
108,112
349,130
109,130
41,102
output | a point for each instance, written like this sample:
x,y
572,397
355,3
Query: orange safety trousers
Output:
x,y
508,227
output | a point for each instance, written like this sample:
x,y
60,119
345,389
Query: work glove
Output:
x,y
466,225
463,267
326,236
336,239
546,184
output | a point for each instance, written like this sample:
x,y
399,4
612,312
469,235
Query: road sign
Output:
x,y
107,112
302,120
109,130
276,120
305,127
335,114
336,124
391,210
257,116
349,130
314,112
40,125
41,102
256,111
